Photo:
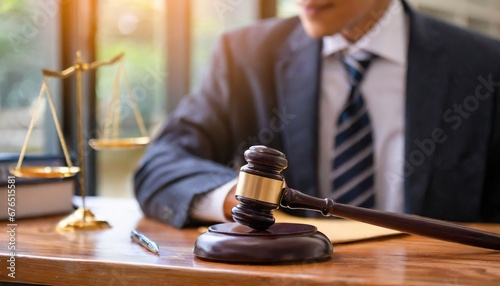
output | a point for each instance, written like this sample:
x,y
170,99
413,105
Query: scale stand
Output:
x,y
82,218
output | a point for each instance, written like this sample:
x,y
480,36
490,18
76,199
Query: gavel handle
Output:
x,y
412,224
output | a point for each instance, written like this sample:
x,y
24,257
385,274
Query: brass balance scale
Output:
x,y
83,218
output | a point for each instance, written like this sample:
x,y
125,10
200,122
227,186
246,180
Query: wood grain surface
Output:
x,y
109,257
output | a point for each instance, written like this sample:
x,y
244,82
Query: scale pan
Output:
x,y
45,171
118,143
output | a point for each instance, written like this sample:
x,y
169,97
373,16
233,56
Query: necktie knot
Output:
x,y
356,67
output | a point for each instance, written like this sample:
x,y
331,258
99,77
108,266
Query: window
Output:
x,y
209,20
28,43
136,28
287,8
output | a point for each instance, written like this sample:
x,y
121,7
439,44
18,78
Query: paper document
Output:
x,y
339,230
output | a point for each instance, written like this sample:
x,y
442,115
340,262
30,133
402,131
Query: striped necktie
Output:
x,y
353,166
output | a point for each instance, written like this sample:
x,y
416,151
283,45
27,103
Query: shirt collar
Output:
x,y
388,39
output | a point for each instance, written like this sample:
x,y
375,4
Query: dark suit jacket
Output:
x,y
263,86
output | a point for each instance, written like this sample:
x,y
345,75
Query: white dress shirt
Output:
x,y
383,88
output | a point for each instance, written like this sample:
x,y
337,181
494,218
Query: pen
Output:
x,y
144,241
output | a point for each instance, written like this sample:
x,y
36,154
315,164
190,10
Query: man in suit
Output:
x,y
430,95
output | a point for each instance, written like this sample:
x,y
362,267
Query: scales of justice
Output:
x,y
83,218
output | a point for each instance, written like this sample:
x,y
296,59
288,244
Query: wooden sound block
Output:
x,y
281,243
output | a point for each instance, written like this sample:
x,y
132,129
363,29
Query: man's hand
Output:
x,y
229,203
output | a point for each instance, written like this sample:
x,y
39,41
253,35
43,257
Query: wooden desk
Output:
x,y
108,257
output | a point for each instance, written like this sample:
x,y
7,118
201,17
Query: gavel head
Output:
x,y
260,187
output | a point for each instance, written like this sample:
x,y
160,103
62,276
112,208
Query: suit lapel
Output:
x,y
297,73
427,83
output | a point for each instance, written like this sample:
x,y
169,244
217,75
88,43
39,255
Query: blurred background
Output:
x,y
167,45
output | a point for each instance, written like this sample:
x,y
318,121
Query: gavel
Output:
x,y
260,191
